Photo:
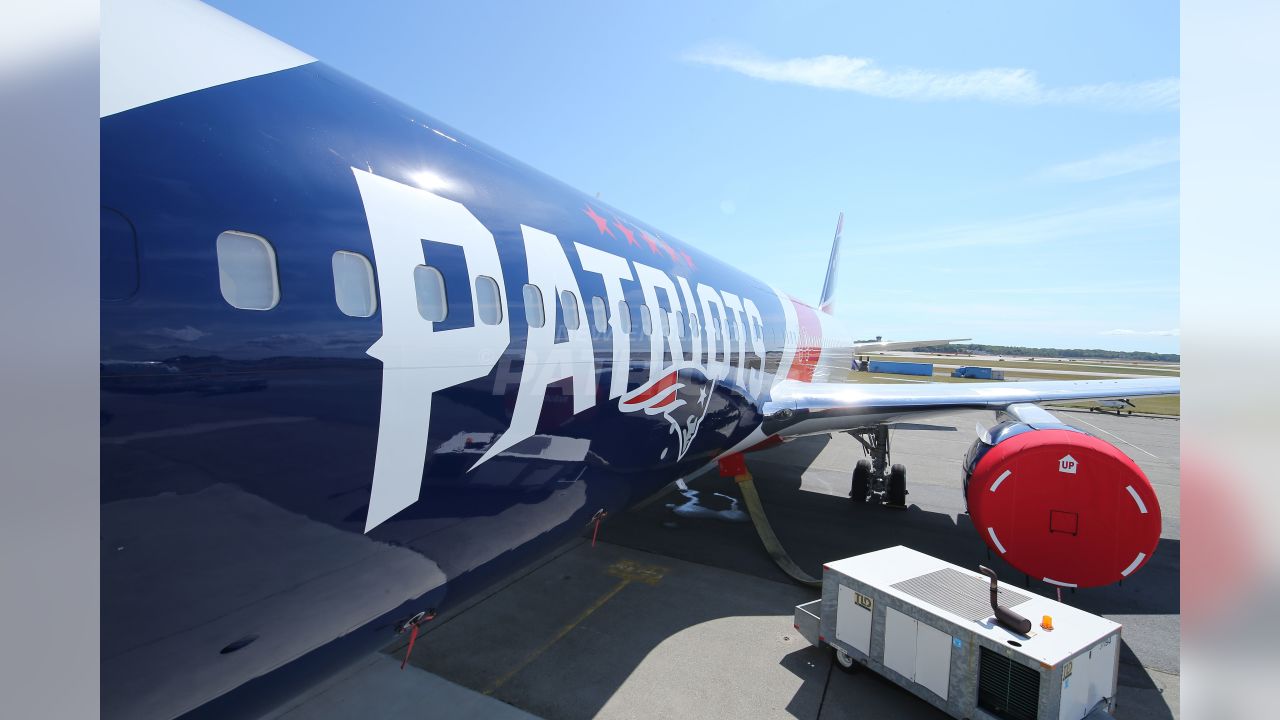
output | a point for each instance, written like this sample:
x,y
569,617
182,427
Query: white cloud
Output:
x,y
1106,220
1004,85
1175,332
1090,290
1163,151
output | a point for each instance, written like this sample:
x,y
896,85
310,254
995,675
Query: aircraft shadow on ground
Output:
x,y
560,665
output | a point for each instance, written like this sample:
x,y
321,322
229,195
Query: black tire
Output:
x,y
896,489
841,658
861,481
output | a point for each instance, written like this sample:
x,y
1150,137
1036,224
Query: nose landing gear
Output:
x,y
875,480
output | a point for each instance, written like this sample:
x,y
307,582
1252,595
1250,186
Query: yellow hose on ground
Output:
x,y
771,544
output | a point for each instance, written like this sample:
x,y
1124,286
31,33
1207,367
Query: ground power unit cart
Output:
x,y
955,638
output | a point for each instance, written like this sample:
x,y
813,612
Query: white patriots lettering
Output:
x,y
680,385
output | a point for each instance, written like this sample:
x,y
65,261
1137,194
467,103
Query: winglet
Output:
x,y
828,302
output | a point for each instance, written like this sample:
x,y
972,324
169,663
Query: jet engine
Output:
x,y
1059,504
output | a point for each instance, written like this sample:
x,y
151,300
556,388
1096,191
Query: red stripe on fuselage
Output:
x,y
809,344
658,387
663,402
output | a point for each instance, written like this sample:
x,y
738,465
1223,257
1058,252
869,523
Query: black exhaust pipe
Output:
x,y
1004,615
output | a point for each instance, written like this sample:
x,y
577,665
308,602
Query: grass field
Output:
x,y
869,377
1161,405
1064,375
1125,368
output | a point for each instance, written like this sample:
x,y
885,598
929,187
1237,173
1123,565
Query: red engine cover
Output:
x,y
1065,507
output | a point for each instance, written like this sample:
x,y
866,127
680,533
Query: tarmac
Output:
x,y
677,611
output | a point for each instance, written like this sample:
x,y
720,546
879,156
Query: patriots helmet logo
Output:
x,y
682,395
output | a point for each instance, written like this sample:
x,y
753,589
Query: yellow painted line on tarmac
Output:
x,y
627,572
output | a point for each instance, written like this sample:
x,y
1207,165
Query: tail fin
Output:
x,y
828,302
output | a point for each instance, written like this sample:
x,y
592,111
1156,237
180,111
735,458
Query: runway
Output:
x,y
678,612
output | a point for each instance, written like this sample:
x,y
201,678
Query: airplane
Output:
x,y
358,367
1118,406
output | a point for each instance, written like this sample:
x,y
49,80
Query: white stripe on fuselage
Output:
x,y
153,50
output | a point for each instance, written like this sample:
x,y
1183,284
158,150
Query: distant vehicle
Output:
x,y
358,367
1117,406
978,372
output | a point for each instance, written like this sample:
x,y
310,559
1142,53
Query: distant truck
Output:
x,y
901,368
978,373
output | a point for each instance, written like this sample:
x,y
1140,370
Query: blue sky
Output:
x,y
1008,170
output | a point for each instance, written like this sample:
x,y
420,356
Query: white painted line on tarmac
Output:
x,y
1126,442
882,377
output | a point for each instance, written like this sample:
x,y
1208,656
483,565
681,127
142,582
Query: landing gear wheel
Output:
x,y
844,661
896,489
861,481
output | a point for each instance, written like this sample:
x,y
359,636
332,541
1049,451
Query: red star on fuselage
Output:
x,y
626,232
601,224
671,252
653,244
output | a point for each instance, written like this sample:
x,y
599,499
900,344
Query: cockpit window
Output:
x,y
247,272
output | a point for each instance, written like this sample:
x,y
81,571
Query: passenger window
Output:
x,y
247,271
353,284
600,314
488,300
679,324
569,306
646,320
665,317
534,314
428,285
693,325
624,316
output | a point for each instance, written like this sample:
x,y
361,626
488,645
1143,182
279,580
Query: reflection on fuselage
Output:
x,y
239,446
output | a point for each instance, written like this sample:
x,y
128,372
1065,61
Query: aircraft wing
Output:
x,y
798,408
901,344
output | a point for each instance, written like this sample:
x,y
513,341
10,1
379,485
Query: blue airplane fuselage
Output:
x,y
282,487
